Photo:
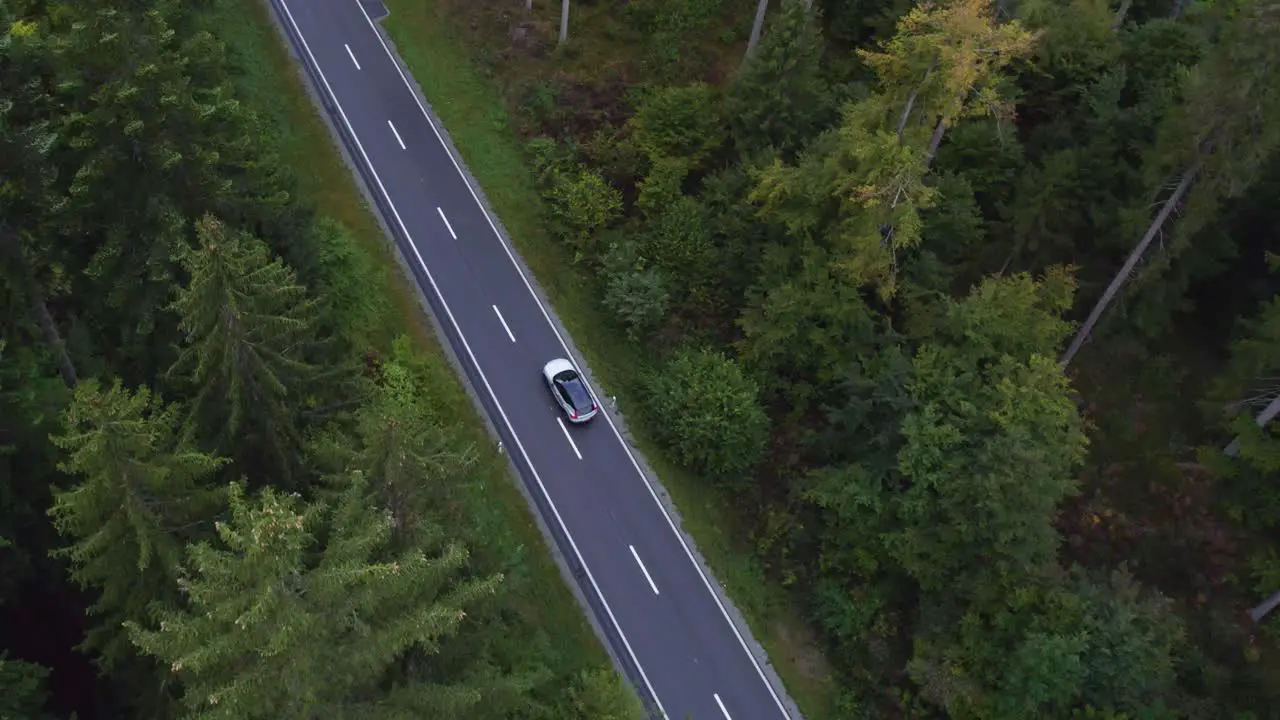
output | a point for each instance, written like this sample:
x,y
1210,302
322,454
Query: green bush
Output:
x,y
583,203
663,185
602,695
679,242
635,292
683,122
709,414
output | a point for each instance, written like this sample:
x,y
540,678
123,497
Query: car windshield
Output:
x,y
578,394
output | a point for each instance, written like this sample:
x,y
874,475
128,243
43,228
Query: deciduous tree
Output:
x,y
709,413
963,497
864,183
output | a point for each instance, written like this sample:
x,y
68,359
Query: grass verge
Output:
x,y
270,83
471,106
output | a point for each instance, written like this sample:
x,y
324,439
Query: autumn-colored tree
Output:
x,y
863,186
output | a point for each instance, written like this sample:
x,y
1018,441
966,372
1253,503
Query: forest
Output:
x,y
967,310
979,301
236,478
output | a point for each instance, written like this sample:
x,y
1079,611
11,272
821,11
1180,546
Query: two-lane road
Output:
x,y
653,600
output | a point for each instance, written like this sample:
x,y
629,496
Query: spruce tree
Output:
x,y
248,327
300,612
144,146
780,99
140,493
410,456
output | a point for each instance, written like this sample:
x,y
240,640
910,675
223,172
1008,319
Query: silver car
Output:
x,y
569,390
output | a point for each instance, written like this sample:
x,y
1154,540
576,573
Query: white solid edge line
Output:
x,y
520,446
572,444
393,132
353,55
727,716
643,569
626,448
446,223
504,323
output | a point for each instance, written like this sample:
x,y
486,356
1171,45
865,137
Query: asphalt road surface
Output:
x,y
668,628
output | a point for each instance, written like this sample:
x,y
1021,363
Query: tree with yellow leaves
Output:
x,y
862,185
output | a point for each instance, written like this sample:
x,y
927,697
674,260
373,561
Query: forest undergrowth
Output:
x,y
870,246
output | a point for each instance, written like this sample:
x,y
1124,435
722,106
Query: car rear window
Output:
x,y
577,394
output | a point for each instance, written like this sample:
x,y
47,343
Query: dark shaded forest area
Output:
x,y
233,483
867,248
853,266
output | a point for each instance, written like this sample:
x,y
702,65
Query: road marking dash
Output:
x,y
644,570
649,485
504,323
446,223
353,55
727,716
393,132
572,444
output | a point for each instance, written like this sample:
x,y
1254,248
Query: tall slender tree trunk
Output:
x,y
564,20
911,101
757,27
1118,281
39,308
1120,14
1267,415
1264,607
938,131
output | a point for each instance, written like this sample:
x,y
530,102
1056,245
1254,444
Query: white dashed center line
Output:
x,y
446,223
727,716
644,570
353,55
504,323
393,132
572,444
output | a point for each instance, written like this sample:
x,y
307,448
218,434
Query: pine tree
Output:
x,y
22,691
248,327
279,626
410,457
780,99
27,193
1214,147
140,494
144,146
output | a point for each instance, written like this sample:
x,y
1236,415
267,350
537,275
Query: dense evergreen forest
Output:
x,y
968,308
230,488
